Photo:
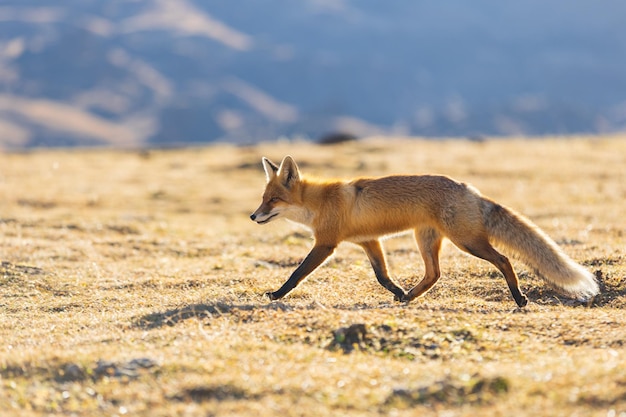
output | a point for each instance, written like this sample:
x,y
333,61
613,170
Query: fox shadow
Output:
x,y
203,311
542,294
200,311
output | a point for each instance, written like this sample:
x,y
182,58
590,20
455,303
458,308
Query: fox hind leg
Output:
x,y
483,249
429,244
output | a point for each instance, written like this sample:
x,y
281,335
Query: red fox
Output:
x,y
434,207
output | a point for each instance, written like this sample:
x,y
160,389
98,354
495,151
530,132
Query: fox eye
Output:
x,y
274,199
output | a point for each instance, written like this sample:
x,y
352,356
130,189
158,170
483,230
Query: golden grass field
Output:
x,y
131,283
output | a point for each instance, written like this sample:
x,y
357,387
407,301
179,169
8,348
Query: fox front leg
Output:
x,y
375,253
314,259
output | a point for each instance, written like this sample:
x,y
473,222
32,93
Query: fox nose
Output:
x,y
252,216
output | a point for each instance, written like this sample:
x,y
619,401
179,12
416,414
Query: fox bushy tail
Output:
x,y
526,242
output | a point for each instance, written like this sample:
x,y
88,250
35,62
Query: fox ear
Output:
x,y
270,168
288,172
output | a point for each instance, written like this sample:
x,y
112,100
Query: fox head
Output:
x,y
279,198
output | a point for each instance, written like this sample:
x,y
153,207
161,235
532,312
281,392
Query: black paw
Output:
x,y
522,301
403,298
271,296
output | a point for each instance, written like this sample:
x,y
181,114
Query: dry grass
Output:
x,y
131,283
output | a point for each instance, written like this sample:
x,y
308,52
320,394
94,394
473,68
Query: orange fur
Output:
x,y
435,207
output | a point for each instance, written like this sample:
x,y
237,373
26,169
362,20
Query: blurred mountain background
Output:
x,y
175,72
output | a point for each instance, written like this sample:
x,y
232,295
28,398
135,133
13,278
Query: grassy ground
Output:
x,y
131,282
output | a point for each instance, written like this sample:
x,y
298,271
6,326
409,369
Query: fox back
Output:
x,y
366,208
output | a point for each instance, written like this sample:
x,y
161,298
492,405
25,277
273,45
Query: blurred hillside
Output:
x,y
156,72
